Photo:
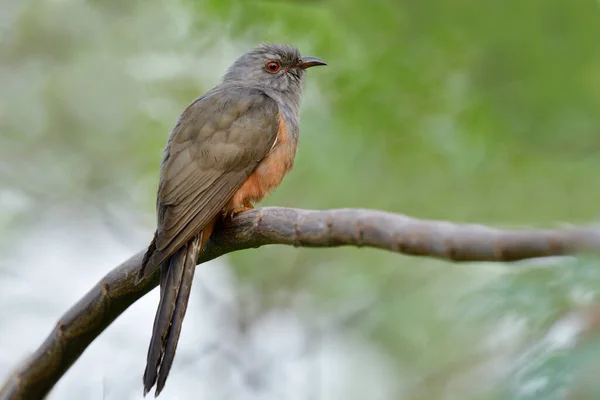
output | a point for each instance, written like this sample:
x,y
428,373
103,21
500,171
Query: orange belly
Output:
x,y
269,173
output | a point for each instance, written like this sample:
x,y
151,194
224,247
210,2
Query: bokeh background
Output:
x,y
462,110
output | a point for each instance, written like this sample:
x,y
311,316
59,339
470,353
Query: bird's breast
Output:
x,y
270,171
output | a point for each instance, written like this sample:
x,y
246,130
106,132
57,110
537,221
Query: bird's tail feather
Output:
x,y
176,276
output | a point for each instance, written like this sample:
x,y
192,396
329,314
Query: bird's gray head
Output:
x,y
278,69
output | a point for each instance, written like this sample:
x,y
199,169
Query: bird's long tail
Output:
x,y
176,276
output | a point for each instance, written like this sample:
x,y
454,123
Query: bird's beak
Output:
x,y
307,62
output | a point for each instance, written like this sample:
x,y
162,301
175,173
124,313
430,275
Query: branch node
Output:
x,y
297,241
360,234
60,329
328,228
259,219
499,251
450,250
397,243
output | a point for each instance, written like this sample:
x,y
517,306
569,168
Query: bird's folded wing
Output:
x,y
217,143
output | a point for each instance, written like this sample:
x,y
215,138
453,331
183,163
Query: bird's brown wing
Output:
x,y
217,143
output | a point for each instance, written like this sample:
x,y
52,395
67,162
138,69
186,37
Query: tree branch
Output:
x,y
117,291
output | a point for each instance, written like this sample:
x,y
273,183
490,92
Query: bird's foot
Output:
x,y
237,210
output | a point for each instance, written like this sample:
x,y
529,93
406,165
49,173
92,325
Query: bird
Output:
x,y
229,148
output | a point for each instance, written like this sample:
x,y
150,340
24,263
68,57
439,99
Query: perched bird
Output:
x,y
229,148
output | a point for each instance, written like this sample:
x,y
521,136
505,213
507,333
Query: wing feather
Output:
x,y
217,143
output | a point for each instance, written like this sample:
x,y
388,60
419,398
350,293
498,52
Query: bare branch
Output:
x,y
117,291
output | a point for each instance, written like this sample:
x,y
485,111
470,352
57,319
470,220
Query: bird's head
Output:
x,y
278,68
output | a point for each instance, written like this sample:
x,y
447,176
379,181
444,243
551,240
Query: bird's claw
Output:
x,y
238,210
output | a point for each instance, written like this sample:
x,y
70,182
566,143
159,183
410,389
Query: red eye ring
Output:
x,y
273,67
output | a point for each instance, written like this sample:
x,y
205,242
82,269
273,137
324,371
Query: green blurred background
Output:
x,y
463,110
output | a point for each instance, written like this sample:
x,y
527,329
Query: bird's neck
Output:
x,y
289,106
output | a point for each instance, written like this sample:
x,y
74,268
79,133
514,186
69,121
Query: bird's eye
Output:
x,y
272,67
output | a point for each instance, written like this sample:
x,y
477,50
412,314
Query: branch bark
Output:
x,y
110,297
